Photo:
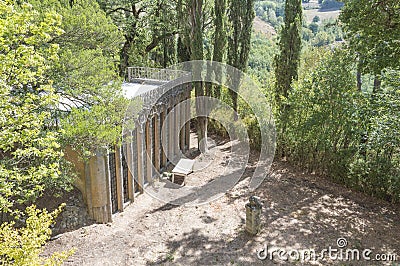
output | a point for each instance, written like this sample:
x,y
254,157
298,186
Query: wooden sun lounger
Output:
x,y
183,168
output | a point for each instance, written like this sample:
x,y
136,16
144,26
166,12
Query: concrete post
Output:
x,y
129,161
157,139
140,156
118,172
170,151
164,128
182,118
187,126
149,165
98,184
253,213
176,129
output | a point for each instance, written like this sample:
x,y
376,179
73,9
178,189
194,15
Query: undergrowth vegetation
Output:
x,y
341,132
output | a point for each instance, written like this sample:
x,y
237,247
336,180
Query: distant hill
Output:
x,y
263,27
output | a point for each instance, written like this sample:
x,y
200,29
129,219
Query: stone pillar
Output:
x,y
177,124
187,126
148,157
157,142
88,188
129,162
253,213
140,156
100,204
170,134
118,172
175,135
164,142
182,118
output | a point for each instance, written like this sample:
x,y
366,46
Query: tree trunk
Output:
x,y
202,120
125,56
359,81
377,84
196,37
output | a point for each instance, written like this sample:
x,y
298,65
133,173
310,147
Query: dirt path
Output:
x,y
301,212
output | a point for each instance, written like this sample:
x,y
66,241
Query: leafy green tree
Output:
x,y
316,19
29,146
372,29
307,34
331,4
343,133
322,136
183,42
322,38
288,58
149,29
272,17
23,245
30,156
261,58
196,21
161,18
92,106
372,34
126,15
314,27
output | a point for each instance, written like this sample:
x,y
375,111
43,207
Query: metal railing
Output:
x,y
157,74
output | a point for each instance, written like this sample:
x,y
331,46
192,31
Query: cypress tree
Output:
x,y
286,64
241,16
288,59
197,53
220,40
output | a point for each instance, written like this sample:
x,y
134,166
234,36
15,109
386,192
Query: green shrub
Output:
x,y
23,246
338,131
376,168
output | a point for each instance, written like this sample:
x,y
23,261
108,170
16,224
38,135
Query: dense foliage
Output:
x,y
373,32
340,132
342,125
23,245
288,58
29,150
241,17
62,63
85,77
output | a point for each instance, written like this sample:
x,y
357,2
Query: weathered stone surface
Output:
x,y
253,213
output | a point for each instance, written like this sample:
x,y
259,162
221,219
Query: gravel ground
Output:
x,y
300,212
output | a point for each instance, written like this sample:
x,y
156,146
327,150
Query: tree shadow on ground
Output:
x,y
301,212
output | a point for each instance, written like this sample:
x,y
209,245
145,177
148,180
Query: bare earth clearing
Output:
x,y
322,14
263,27
301,211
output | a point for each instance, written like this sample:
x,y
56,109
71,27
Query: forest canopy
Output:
x,y
333,83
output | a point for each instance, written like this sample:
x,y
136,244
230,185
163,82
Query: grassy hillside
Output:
x,y
322,13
